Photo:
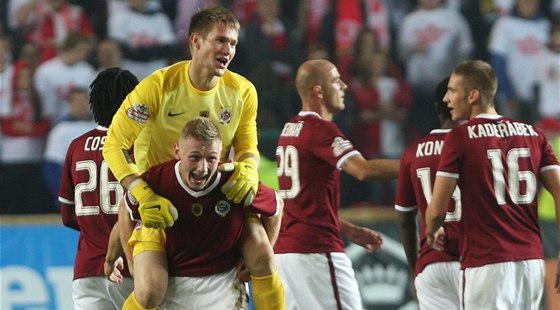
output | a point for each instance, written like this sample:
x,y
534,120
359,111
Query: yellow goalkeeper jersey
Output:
x,y
153,115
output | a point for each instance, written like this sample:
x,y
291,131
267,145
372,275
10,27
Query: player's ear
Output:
x,y
317,91
194,40
474,95
177,151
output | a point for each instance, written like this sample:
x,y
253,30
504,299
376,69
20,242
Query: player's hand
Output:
x,y
243,183
371,240
439,241
155,211
242,272
113,270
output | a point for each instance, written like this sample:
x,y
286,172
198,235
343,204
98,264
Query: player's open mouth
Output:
x,y
198,179
223,61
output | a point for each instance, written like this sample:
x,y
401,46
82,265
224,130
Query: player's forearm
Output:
x,y
346,228
114,248
375,169
409,237
384,169
245,141
272,224
272,227
129,179
249,155
437,209
126,226
120,139
434,219
119,163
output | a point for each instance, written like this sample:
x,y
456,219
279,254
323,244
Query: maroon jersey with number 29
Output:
x,y
310,154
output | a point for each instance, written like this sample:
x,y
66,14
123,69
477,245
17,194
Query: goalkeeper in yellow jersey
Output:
x,y
150,121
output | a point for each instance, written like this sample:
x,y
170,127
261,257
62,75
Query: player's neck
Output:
x,y
201,79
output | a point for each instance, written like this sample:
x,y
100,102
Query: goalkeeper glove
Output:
x,y
155,211
243,183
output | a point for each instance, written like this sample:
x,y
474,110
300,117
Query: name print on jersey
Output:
x,y
429,148
94,143
292,129
501,130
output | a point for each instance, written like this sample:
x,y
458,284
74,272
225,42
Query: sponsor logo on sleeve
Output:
x,y
138,113
339,146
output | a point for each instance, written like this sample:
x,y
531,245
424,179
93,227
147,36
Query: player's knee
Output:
x,y
149,297
150,292
259,257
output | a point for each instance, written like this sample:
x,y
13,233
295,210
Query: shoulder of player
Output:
x,y
237,81
313,119
158,170
91,133
172,73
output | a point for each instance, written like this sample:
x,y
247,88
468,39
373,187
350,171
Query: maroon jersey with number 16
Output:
x,y
497,161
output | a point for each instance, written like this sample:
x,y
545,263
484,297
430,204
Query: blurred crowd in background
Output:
x,y
391,53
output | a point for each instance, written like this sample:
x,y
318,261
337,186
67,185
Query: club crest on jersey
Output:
x,y
138,113
196,209
340,145
225,115
222,208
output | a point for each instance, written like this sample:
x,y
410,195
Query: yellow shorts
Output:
x,y
147,239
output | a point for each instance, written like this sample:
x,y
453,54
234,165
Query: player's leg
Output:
x,y
222,291
552,299
150,269
258,255
90,293
119,292
550,242
507,285
319,281
438,286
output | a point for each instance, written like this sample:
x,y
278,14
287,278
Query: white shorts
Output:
x,y
92,293
318,281
438,286
516,285
223,291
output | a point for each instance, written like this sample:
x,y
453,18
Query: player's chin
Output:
x,y
220,72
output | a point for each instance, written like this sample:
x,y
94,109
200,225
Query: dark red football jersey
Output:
x,y
417,172
89,196
309,155
497,162
205,238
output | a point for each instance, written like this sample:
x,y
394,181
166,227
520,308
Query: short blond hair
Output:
x,y
201,129
478,74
